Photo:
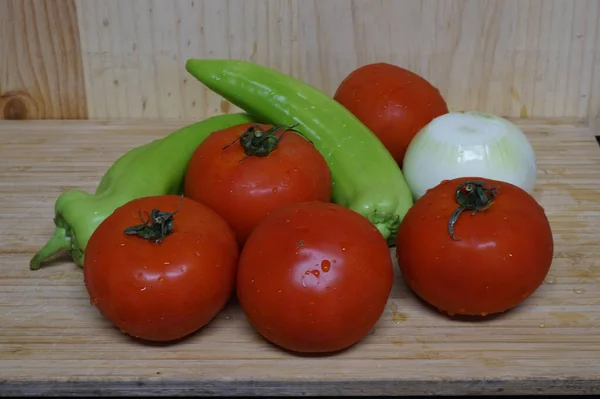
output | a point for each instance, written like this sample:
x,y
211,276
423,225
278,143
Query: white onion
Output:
x,y
469,143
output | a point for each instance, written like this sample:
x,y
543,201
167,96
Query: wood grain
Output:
x,y
53,341
594,103
519,58
41,73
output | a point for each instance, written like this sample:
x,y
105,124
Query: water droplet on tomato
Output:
x,y
197,253
510,255
167,263
274,190
122,244
143,288
325,265
310,278
279,291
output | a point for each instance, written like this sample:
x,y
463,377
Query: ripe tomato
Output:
x,y
394,103
500,256
314,277
242,187
161,291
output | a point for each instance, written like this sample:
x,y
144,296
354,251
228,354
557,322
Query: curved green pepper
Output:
x,y
154,168
365,176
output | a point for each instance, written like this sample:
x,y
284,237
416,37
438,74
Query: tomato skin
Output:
x,y
393,102
243,192
314,277
165,291
503,255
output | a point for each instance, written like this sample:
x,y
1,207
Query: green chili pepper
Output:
x,y
154,168
365,176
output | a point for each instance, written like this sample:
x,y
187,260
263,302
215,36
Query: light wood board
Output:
x,y
115,59
52,341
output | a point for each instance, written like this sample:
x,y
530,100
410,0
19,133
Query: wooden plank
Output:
x,y
594,100
52,341
41,74
516,58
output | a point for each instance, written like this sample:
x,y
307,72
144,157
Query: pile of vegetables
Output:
x,y
292,206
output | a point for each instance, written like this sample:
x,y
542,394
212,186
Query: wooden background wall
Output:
x,y
112,59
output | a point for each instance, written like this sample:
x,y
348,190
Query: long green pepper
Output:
x,y
365,176
154,168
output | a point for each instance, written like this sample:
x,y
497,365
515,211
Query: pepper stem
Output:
x,y
156,226
57,242
259,142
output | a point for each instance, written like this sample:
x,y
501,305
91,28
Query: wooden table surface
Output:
x,y
52,341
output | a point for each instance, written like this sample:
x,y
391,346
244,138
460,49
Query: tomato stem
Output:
x,y
475,196
156,226
259,142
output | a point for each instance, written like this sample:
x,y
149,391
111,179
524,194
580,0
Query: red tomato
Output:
x,y
243,188
314,277
500,256
161,291
394,103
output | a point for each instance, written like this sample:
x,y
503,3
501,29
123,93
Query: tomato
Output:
x,y
314,277
393,102
161,291
499,257
242,187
